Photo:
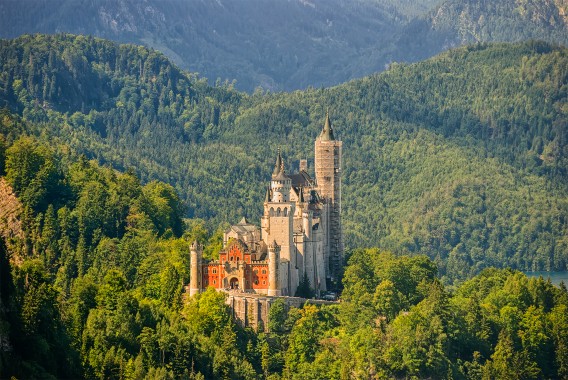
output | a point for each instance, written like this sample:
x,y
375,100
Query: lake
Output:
x,y
555,277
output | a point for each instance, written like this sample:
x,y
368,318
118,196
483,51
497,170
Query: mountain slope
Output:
x,y
458,22
461,157
287,45
276,45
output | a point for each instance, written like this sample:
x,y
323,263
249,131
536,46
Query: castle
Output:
x,y
299,237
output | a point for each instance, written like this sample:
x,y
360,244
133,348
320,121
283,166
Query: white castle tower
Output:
x,y
277,225
195,255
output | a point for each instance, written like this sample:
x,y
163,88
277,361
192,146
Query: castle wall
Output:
x,y
285,278
251,310
309,259
279,228
259,277
320,263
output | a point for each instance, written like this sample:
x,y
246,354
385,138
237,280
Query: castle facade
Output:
x,y
300,235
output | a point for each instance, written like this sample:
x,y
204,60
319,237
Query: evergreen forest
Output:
x,y
112,159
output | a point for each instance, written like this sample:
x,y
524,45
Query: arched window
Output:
x,y
271,213
278,211
264,271
285,211
214,271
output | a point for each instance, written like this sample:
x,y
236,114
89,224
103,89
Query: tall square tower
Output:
x,y
328,178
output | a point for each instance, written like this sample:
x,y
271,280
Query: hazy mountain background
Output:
x,y
292,44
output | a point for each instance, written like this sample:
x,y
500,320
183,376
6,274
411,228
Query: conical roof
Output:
x,y
278,165
327,131
281,176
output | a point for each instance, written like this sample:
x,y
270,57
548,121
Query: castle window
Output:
x,y
214,282
278,211
271,211
264,271
214,271
205,270
285,211
256,282
263,282
206,282
255,271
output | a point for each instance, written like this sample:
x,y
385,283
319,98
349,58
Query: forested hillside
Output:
x,y
93,262
288,45
92,284
461,157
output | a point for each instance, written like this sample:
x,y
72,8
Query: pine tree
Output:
x,y
304,289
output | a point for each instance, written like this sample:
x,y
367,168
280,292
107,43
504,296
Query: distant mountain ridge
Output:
x,y
288,45
458,22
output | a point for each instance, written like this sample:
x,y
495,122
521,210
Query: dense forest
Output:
x,y
112,160
462,157
294,44
93,266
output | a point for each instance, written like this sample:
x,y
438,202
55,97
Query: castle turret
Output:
x,y
195,254
278,223
273,269
328,178
278,165
280,184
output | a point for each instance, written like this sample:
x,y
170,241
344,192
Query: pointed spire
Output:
x,y
279,165
327,131
267,197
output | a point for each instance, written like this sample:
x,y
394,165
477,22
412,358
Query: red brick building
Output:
x,y
237,269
